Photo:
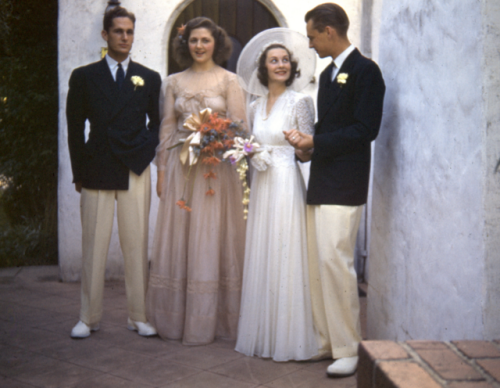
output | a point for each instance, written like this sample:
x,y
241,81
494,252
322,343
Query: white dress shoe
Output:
x,y
143,328
343,367
82,330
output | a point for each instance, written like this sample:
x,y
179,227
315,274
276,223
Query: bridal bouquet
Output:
x,y
237,155
213,140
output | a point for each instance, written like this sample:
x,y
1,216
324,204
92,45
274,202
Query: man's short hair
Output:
x,y
116,12
329,14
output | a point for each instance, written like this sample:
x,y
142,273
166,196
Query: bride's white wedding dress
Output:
x,y
276,317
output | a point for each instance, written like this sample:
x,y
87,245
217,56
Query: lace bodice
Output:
x,y
291,110
190,92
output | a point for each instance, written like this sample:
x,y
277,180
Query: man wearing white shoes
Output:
x,y
350,102
116,96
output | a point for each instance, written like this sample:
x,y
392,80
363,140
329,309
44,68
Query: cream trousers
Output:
x,y
332,231
97,213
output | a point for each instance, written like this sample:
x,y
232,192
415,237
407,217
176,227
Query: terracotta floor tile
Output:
x,y
30,338
152,346
156,372
28,364
469,384
37,313
107,381
61,375
114,335
18,296
203,357
404,375
48,302
208,380
117,316
10,311
29,316
448,365
7,329
62,328
107,359
12,358
478,349
70,310
6,382
308,379
492,367
68,348
114,301
256,370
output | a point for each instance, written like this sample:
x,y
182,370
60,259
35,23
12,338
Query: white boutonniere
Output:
x,y
137,81
342,78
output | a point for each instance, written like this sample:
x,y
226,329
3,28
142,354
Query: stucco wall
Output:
x,y
491,154
432,256
81,45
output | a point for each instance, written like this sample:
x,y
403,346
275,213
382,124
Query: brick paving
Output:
x,y
37,313
429,364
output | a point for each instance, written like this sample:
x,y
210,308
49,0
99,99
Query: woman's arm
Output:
x,y
167,130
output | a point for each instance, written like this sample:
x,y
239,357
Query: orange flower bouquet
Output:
x,y
210,139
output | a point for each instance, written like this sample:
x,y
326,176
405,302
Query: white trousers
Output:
x,y
332,231
97,213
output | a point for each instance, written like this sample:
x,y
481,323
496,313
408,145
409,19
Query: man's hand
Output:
x,y
304,156
78,186
159,182
299,140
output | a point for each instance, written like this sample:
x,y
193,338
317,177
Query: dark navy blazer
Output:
x,y
120,137
349,117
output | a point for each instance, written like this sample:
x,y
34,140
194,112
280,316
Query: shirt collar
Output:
x,y
342,57
113,65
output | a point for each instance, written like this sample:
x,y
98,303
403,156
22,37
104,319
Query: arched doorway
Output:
x,y
242,19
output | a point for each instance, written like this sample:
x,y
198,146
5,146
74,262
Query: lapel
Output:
x,y
333,90
105,82
124,95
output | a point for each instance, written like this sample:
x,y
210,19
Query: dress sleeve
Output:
x,y
252,109
304,115
235,101
168,123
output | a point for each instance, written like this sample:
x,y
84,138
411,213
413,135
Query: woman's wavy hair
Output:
x,y
222,49
262,73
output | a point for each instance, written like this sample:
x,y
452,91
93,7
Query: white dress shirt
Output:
x,y
113,65
340,60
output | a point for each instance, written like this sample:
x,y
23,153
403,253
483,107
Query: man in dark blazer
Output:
x,y
117,96
350,102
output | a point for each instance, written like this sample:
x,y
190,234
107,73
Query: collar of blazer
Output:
x,y
330,91
107,85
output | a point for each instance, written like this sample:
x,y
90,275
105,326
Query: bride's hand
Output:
x,y
299,140
159,182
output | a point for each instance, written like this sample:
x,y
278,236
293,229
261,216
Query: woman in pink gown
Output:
x,y
197,260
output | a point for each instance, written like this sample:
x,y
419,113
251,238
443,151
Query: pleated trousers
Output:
x,y
332,231
97,213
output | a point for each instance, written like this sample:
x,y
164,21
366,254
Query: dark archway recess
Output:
x,y
242,19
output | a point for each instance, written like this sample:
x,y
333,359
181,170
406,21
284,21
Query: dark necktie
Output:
x,y
120,76
334,68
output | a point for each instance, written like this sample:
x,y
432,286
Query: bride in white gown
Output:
x,y
276,317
